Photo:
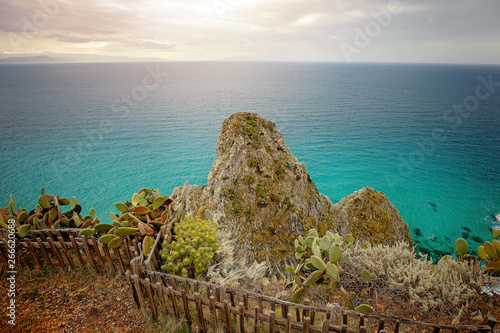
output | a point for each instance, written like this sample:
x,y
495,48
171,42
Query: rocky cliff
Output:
x,y
267,198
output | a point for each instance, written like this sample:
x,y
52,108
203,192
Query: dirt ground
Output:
x,y
82,300
70,301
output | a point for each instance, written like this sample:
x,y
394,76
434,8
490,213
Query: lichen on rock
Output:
x,y
265,195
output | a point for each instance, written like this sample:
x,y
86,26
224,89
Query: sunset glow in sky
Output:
x,y
449,31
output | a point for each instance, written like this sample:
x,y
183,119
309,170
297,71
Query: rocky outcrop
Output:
x,y
267,198
368,215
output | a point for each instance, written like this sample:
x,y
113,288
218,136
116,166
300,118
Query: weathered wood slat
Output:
x,y
97,251
107,254
272,322
199,312
34,254
77,250
306,325
241,317
56,252
44,253
65,251
138,289
173,301
119,257
185,304
227,317
90,258
213,313
152,304
256,320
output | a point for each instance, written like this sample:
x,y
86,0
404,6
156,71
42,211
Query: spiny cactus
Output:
x,y
319,261
146,212
48,214
490,253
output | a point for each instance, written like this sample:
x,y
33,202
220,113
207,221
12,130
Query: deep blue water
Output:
x,y
389,126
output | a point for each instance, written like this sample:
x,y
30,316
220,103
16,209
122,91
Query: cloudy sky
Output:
x,y
444,31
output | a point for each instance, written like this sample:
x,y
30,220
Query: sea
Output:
x,y
427,135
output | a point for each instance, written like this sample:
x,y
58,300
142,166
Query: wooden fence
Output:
x,y
204,305
64,247
208,306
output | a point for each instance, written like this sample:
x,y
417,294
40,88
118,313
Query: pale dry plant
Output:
x,y
448,286
232,269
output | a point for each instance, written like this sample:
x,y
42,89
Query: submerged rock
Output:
x,y
267,198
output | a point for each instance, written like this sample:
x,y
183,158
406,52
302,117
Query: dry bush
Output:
x,y
447,286
233,270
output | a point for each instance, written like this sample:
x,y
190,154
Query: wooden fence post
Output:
x,y
56,252
227,317
152,304
187,314
213,313
272,321
241,312
306,325
199,312
256,319
138,289
77,250
42,248
171,293
33,253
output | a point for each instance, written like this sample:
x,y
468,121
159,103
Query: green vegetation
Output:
x,y
48,214
280,173
490,253
249,179
320,264
193,248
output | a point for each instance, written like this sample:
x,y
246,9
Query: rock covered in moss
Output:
x,y
259,189
368,215
265,195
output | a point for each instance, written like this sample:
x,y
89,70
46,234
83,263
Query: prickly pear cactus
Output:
x,y
490,253
145,213
319,262
48,213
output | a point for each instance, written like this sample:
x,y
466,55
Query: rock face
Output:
x,y
266,197
368,215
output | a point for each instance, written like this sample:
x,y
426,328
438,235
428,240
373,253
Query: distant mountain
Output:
x,y
31,60
69,58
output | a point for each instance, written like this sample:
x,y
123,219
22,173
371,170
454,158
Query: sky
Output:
x,y
425,31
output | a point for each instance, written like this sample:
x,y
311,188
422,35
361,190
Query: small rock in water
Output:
x,y
424,250
417,232
465,235
477,239
466,229
440,253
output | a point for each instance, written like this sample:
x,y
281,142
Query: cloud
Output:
x,y
255,29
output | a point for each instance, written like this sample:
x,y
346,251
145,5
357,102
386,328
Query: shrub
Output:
x,y
233,270
398,273
193,249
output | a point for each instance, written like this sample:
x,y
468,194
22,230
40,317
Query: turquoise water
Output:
x,y
383,125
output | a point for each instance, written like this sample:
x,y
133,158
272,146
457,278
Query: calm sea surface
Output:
x,y
426,135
